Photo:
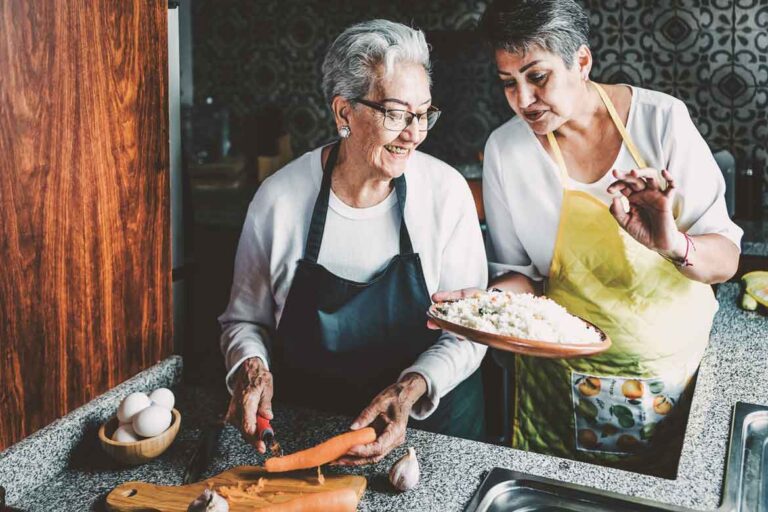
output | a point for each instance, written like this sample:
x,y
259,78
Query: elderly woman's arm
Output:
x,y
510,281
712,258
694,204
518,283
464,265
245,339
510,266
448,361
708,258
417,394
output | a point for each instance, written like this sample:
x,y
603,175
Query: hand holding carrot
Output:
x,y
323,453
392,407
252,397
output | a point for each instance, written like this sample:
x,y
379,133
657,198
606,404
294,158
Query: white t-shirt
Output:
x,y
522,192
357,243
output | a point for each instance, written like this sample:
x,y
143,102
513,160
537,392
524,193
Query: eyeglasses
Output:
x,y
398,120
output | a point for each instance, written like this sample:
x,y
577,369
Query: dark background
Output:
x,y
249,54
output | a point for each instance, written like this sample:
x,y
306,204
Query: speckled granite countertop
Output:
x,y
734,369
51,452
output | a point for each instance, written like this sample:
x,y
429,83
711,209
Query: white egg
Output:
x,y
125,434
131,405
152,421
164,397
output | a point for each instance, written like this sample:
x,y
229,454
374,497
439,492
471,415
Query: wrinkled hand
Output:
x,y
252,396
391,408
452,295
650,219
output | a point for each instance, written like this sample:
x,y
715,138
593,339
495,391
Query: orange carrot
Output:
x,y
323,453
340,500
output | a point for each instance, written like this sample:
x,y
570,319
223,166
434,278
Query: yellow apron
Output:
x,y
617,408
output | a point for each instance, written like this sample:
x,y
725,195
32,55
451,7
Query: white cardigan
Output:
x,y
357,243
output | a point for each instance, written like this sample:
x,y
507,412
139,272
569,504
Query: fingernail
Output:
x,y
354,426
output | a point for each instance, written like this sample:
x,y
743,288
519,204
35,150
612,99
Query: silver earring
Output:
x,y
344,132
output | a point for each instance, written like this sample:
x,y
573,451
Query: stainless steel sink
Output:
x,y
512,491
746,481
746,477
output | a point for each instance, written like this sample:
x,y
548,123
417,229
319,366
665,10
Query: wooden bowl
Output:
x,y
138,452
521,345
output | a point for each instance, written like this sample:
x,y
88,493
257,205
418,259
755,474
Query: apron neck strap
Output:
x,y
401,189
620,126
616,121
320,212
558,158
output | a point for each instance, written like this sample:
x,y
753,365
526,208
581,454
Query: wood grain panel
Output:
x,y
84,202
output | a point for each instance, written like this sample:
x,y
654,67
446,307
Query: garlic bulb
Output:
x,y
209,501
404,473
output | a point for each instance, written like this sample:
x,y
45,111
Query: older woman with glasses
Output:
x,y
340,252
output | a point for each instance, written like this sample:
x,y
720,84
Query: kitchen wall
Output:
x,y
710,53
84,202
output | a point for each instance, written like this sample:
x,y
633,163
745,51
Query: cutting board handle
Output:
x,y
144,497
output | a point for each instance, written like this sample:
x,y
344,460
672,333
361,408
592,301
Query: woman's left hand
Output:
x,y
391,407
650,219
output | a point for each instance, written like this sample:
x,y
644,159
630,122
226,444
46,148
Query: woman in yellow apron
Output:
x,y
575,201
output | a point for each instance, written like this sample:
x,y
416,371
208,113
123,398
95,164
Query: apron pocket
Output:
x,y
619,415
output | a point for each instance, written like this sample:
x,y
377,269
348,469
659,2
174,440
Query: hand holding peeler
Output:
x,y
265,432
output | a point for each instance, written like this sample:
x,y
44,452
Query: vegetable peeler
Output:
x,y
265,432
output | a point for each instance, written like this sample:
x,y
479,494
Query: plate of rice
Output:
x,y
520,322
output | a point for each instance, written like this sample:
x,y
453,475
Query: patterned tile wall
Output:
x,y
712,54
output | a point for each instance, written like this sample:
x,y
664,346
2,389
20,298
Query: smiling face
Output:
x,y
540,88
386,152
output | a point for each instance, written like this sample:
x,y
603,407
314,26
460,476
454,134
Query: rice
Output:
x,y
521,315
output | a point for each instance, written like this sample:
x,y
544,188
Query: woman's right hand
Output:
x,y
252,397
449,296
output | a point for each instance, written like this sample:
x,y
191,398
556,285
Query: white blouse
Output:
x,y
522,192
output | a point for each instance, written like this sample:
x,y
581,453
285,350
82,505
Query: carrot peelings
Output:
x,y
340,500
323,453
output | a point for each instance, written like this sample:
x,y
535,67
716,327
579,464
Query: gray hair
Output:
x,y
558,26
351,63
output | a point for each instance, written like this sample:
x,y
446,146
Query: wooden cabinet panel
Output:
x,y
84,203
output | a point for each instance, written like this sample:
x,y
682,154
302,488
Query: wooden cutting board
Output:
x,y
278,488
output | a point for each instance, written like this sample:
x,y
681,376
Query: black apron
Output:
x,y
341,342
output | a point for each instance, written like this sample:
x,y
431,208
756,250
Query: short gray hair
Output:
x,y
558,26
350,65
